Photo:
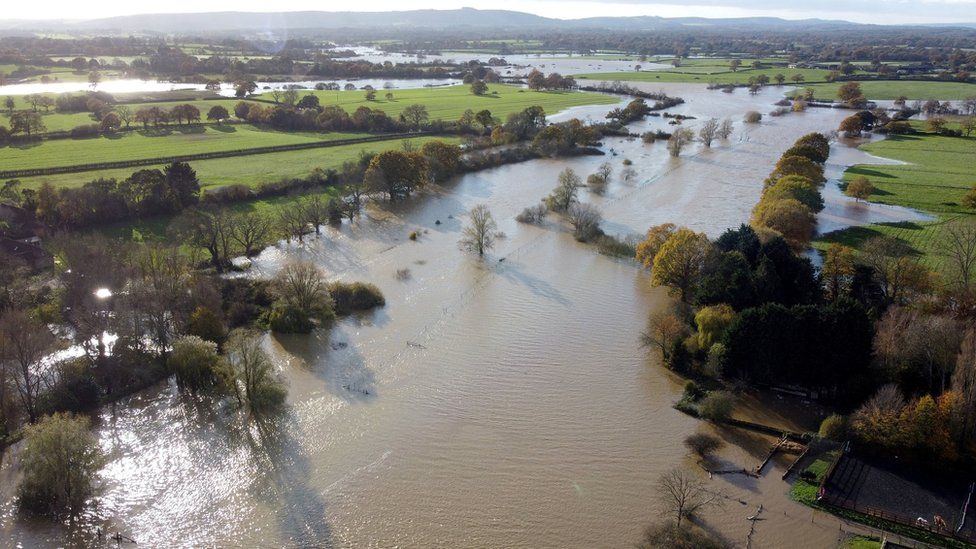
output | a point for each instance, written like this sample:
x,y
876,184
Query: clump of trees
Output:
x,y
538,81
791,196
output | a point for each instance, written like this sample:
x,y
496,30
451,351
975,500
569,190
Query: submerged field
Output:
x,y
937,173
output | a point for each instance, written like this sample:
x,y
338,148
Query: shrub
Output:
x,y
207,325
59,463
74,388
355,296
899,127
703,444
616,247
753,117
585,219
533,214
85,130
692,392
196,363
288,319
833,427
597,183
716,406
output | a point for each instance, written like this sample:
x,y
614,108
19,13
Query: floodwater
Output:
x,y
135,85
495,402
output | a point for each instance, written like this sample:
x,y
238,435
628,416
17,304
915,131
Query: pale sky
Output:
x,y
865,11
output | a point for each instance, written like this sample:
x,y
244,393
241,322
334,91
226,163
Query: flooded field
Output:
x,y
499,402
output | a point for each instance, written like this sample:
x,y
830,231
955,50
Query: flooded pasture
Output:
x,y
501,402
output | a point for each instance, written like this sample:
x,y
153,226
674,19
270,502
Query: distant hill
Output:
x,y
414,19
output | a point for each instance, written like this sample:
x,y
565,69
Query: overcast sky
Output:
x,y
867,11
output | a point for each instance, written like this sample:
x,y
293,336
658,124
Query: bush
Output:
x,y
753,117
703,444
206,325
355,296
74,389
533,214
196,363
833,427
616,247
85,130
288,319
693,392
716,406
59,463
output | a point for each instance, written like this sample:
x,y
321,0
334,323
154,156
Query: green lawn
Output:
x,y
168,141
939,172
449,102
893,89
247,170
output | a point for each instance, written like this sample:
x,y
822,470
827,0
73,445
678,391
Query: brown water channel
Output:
x,y
502,402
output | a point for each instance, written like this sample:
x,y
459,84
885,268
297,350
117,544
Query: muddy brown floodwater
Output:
x,y
497,402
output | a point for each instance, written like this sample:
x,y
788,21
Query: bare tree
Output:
x,y
209,229
678,140
605,170
315,211
249,230
958,247
585,219
683,494
964,385
708,131
302,285
479,236
255,382
291,220
725,130
25,342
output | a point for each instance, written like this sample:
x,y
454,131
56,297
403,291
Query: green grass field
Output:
x,y
449,102
247,170
893,89
939,172
168,141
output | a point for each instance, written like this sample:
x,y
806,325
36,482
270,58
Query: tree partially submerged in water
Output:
x,y
682,494
564,195
479,235
60,461
256,384
303,299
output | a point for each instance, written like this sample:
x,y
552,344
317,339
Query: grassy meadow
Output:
x,y
448,103
249,170
893,89
937,174
165,141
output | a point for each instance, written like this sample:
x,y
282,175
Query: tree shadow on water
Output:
x,y
286,485
336,361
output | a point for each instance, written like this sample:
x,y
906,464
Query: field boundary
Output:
x,y
77,168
